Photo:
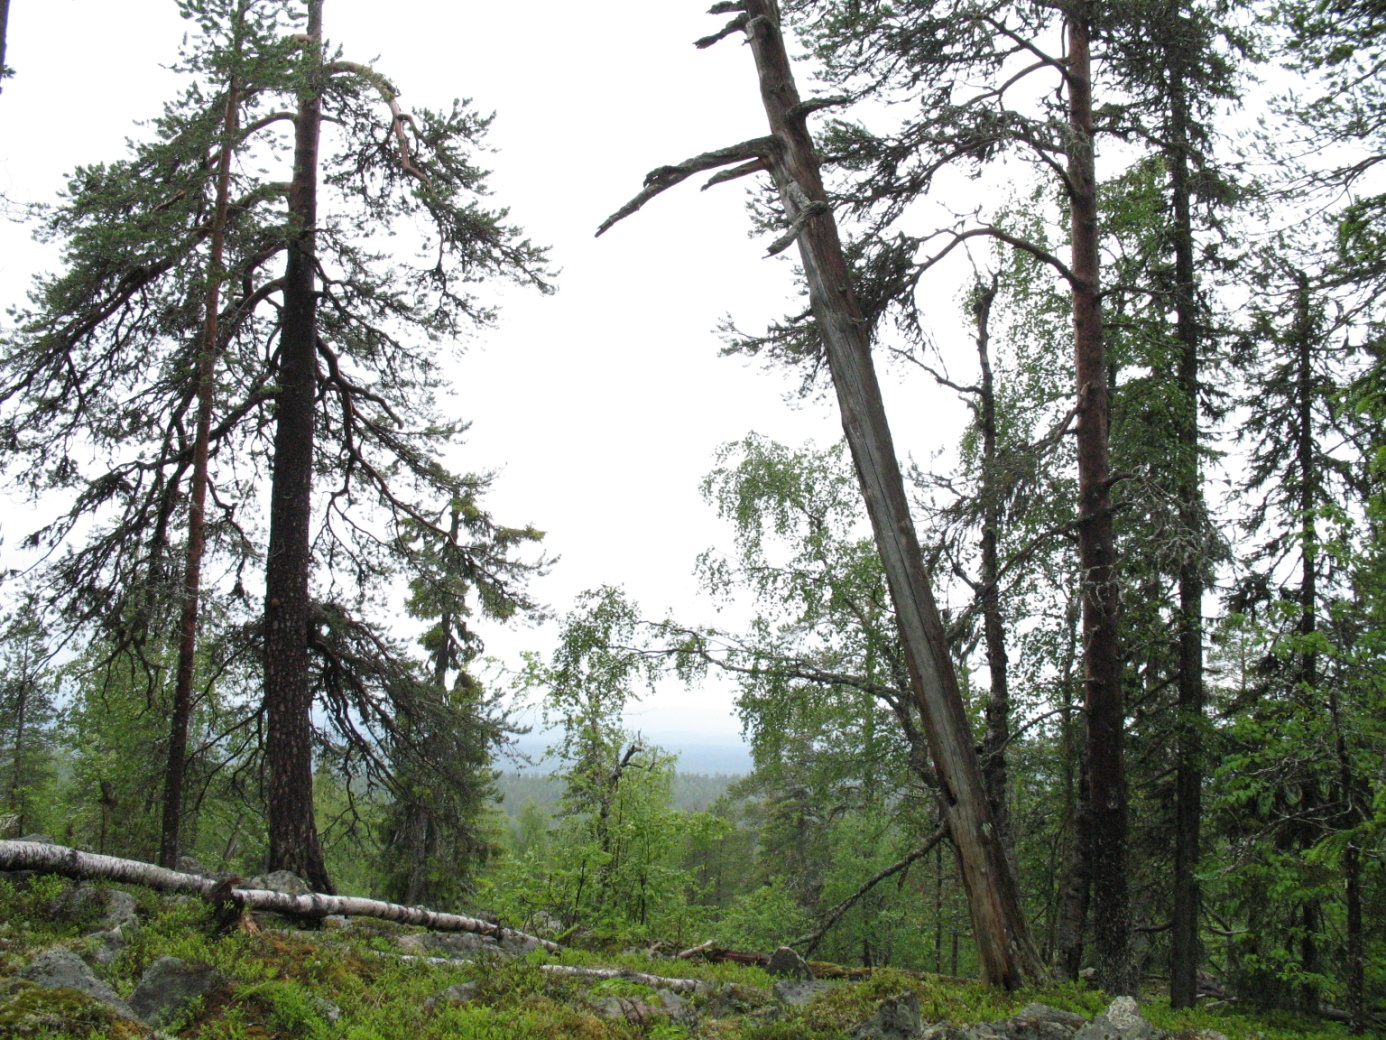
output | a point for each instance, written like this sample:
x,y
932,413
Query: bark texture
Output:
x,y
56,859
1005,952
1096,545
293,833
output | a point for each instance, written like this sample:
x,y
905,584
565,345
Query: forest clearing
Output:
x,y
1057,663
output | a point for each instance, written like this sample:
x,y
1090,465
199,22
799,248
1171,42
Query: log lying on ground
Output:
x,y
86,866
710,951
656,981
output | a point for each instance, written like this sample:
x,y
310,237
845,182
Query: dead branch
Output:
x,y
806,108
57,859
398,117
797,226
991,231
665,177
735,25
810,942
754,166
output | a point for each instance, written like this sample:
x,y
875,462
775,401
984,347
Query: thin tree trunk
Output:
x,y
176,769
1077,885
998,709
1096,546
21,717
1356,964
1005,953
293,835
1186,949
1308,677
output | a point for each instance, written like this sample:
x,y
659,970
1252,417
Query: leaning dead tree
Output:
x,y
1006,955
87,866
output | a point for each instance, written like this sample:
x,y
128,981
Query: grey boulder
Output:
x,y
1033,1022
896,1018
787,964
62,969
279,881
169,985
1121,1021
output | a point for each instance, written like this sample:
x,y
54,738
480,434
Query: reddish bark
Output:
x,y
1096,546
192,572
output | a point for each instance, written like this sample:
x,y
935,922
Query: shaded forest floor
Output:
x,y
370,980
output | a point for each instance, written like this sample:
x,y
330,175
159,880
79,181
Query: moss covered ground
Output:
x,y
351,984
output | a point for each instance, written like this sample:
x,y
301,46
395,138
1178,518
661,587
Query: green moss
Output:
x,y
28,1011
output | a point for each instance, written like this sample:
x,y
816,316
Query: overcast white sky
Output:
x,y
600,406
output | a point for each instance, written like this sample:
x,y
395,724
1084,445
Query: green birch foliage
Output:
x,y
114,735
612,860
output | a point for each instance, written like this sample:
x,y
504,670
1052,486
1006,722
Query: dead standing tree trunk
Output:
x,y
1005,953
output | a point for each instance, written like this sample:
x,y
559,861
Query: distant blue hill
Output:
x,y
697,754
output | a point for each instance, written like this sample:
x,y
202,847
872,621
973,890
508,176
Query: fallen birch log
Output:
x,y
656,981
56,859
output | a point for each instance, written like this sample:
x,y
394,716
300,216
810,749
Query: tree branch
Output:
x,y
810,942
665,177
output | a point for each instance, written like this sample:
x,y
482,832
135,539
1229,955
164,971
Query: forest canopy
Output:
x,y
1083,682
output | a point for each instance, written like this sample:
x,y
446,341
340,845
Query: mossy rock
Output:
x,y
27,1010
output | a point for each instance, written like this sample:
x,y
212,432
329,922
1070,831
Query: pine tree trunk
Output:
x,y
1096,546
293,835
1005,953
192,573
1186,949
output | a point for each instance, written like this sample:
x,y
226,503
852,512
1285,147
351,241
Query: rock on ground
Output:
x,y
796,992
169,985
632,1009
787,964
1033,1022
896,1018
62,969
279,881
1121,1021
